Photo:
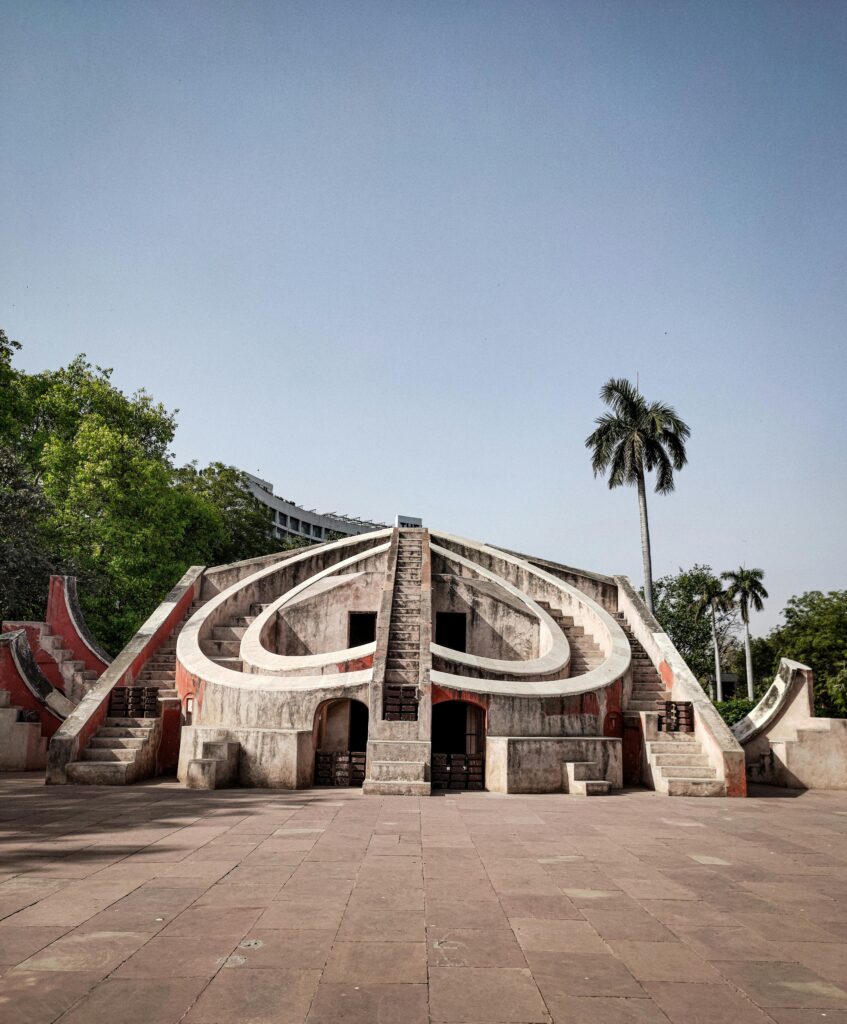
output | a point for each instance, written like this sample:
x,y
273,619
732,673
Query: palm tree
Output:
x,y
745,588
630,441
713,598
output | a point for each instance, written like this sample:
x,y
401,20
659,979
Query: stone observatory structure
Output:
x,y
406,661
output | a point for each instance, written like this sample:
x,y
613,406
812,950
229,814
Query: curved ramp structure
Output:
x,y
785,744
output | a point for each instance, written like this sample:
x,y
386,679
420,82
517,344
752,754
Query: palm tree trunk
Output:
x,y
645,543
718,681
748,657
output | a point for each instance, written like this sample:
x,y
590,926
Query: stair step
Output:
x,y
101,773
107,754
681,757
685,771
99,742
666,745
373,787
133,723
398,771
695,787
122,732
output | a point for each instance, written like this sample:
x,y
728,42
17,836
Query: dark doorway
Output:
x,y
341,741
361,629
358,725
457,727
458,745
451,630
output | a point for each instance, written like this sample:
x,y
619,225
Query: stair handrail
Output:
x,y
78,728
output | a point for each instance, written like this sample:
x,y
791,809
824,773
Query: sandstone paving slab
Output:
x,y
464,914
544,907
159,957
205,921
461,995
698,1003
242,895
85,951
581,974
473,947
302,913
136,1001
41,997
574,1009
283,947
269,996
376,963
628,924
684,914
557,936
774,983
16,944
732,942
827,959
369,1004
663,961
377,924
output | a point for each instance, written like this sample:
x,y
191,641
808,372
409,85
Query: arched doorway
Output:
x,y
458,745
341,742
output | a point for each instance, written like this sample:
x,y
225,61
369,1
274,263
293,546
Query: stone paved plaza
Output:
x,y
154,904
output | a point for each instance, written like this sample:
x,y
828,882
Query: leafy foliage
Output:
x,y
733,711
677,598
815,633
87,486
637,437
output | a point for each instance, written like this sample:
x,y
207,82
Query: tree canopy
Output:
x,y
678,596
88,487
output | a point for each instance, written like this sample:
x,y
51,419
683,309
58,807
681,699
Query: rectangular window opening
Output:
x,y
451,630
361,629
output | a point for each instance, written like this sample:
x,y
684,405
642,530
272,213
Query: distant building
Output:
x,y
292,520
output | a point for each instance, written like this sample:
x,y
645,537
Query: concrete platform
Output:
x,y
158,904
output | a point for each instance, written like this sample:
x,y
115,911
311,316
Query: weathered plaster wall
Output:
x,y
320,623
498,626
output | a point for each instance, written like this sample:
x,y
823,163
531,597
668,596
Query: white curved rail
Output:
x,y
611,638
552,641
193,660
260,660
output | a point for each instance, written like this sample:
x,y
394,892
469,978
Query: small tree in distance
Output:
x,y
746,589
711,599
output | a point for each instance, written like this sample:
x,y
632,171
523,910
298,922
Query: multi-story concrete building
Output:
x,y
291,520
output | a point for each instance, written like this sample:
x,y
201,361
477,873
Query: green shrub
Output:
x,y
732,711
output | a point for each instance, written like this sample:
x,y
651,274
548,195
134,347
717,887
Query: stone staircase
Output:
x,y
397,768
679,767
647,686
122,751
224,646
398,762
22,747
585,653
403,659
76,679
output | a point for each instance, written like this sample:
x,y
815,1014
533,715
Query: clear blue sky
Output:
x,y
385,254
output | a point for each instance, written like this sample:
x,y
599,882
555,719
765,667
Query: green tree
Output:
x,y
747,590
26,560
676,599
247,528
87,486
633,439
815,633
711,598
